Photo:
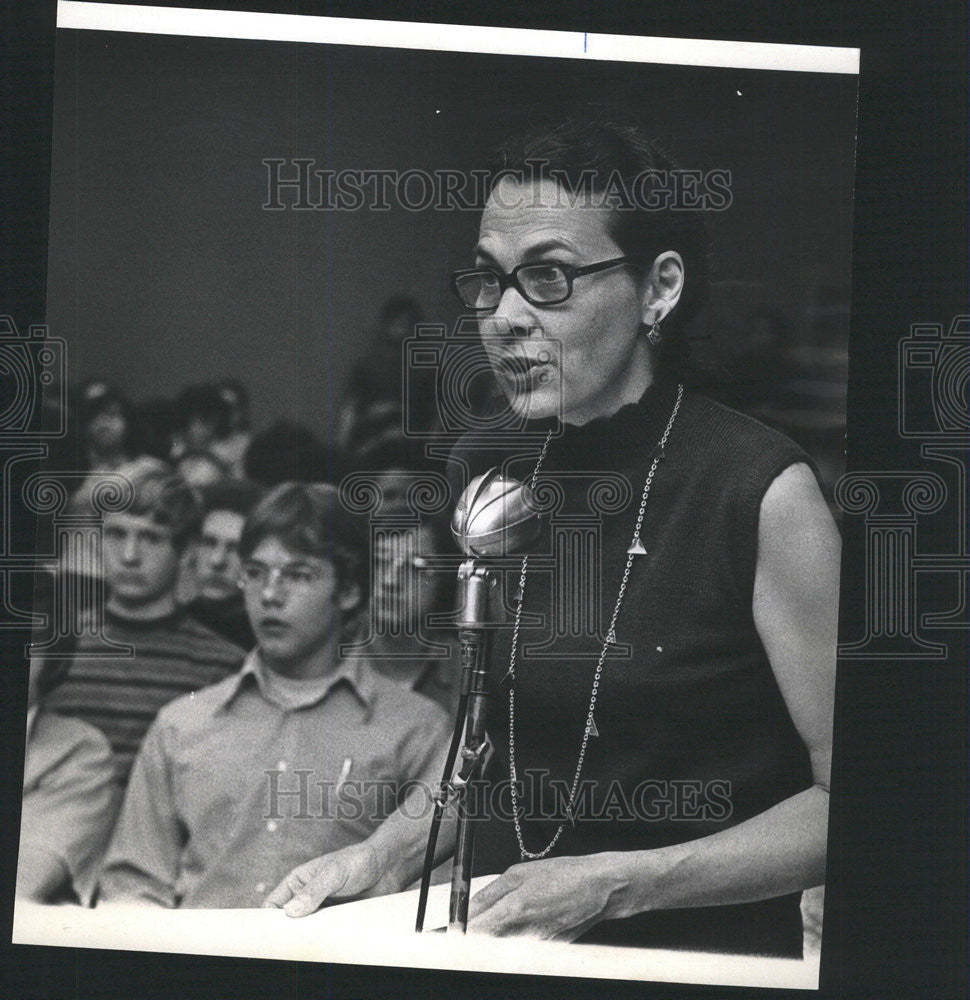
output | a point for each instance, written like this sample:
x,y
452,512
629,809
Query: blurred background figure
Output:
x,y
104,426
230,449
412,576
70,799
786,365
286,452
753,355
214,565
372,411
203,416
155,424
201,469
408,588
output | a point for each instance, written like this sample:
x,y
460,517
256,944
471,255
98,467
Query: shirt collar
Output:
x,y
355,671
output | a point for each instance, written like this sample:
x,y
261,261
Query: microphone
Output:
x,y
496,516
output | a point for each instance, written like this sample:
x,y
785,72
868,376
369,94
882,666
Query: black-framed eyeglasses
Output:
x,y
544,284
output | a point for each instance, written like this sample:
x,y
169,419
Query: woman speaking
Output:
x,y
664,718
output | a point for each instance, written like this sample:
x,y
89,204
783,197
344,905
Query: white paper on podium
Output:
x,y
381,932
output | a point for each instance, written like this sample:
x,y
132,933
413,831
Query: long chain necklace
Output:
x,y
636,548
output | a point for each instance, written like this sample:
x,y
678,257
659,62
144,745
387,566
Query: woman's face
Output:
x,y
107,429
584,357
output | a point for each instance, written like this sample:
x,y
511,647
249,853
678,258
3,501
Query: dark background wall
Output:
x,y
165,269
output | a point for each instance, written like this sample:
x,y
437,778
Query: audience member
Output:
x,y
231,448
411,585
372,411
203,416
70,799
297,754
408,589
104,425
155,423
288,452
172,653
215,561
201,469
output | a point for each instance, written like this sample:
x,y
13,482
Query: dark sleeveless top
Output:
x,y
693,734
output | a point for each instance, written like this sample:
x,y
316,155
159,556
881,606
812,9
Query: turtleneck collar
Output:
x,y
604,443
634,424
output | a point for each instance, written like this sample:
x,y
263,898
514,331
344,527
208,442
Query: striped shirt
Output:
x,y
121,695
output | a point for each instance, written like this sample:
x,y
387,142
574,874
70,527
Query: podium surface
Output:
x,y
380,932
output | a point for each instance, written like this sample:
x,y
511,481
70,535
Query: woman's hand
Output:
x,y
555,899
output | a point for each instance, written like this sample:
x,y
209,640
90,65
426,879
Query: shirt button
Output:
x,y
272,826
261,887
281,766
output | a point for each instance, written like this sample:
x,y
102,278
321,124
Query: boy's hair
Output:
x,y
237,495
204,402
168,500
286,452
309,519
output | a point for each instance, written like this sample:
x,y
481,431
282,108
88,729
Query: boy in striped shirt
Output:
x,y
172,653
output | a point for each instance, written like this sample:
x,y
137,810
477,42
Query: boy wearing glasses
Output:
x,y
299,753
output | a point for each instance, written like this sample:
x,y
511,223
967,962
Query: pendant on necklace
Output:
x,y
593,731
636,549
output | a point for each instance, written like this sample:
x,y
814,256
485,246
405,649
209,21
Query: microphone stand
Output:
x,y
475,580
494,517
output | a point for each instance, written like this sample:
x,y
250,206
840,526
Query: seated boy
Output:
x,y
173,653
70,798
300,753
218,602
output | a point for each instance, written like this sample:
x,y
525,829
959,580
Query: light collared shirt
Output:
x,y
70,798
437,679
239,783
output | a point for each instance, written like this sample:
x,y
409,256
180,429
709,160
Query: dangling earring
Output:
x,y
654,334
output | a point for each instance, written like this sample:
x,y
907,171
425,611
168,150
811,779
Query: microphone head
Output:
x,y
496,516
